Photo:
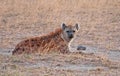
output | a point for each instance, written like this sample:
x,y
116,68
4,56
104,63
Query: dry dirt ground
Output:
x,y
99,32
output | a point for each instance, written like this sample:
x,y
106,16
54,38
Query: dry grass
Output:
x,y
99,21
31,65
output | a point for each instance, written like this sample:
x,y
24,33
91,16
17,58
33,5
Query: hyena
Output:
x,y
56,41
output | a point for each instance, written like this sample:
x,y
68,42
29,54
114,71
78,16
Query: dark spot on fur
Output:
x,y
17,48
26,41
32,39
38,45
25,44
32,45
23,49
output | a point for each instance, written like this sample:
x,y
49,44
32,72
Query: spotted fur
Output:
x,y
55,41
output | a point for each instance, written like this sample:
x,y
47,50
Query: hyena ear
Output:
x,y
77,26
63,26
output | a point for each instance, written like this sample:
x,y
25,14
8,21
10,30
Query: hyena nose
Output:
x,y
71,36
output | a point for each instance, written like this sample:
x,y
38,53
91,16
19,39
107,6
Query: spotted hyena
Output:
x,y
56,41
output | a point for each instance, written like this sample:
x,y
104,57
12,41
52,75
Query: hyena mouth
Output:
x,y
71,36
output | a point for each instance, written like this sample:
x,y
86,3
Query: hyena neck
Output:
x,y
58,34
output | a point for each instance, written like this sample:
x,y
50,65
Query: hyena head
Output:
x,y
69,32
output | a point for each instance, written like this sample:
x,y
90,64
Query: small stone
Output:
x,y
81,48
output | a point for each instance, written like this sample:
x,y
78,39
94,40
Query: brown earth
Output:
x,y
99,27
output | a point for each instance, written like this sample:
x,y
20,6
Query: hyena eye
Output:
x,y
73,30
67,31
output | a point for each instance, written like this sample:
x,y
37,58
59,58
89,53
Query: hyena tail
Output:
x,y
15,51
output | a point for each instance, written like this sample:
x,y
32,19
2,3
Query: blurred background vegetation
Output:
x,y
99,20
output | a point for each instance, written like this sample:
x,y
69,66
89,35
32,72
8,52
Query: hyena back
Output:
x,y
56,41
